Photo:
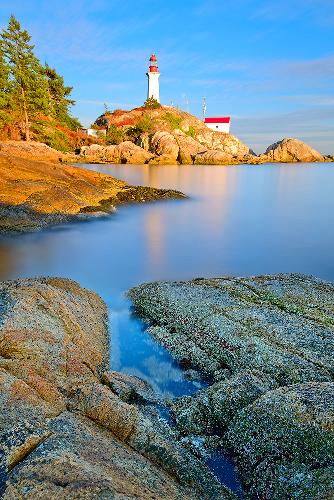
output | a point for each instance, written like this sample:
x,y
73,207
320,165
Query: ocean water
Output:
x,y
238,220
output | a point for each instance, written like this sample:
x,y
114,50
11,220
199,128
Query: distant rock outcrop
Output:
x,y
179,137
176,136
290,150
125,152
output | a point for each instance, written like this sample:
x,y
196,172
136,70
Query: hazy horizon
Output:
x,y
269,66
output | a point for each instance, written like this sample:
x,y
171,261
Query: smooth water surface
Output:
x,y
238,220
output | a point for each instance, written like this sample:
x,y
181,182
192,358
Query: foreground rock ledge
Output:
x,y
64,431
35,194
267,344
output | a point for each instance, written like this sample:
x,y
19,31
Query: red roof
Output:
x,y
223,119
153,57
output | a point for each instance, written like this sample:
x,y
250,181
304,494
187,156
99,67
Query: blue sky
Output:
x,y
269,64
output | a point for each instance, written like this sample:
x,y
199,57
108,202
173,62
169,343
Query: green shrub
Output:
x,y
151,103
191,132
143,125
115,135
175,121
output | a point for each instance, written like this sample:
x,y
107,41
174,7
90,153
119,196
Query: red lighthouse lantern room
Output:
x,y
153,64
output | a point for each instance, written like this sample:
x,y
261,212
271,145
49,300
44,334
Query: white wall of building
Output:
x,y
153,85
220,127
96,133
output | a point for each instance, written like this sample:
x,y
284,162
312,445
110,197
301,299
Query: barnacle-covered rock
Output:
x,y
212,409
281,325
285,442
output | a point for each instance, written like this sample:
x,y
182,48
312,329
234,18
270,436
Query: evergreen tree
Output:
x,y
59,93
25,73
4,83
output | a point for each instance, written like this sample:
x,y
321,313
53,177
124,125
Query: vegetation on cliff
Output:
x,y
35,103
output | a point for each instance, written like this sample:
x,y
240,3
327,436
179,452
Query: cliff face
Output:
x,y
64,432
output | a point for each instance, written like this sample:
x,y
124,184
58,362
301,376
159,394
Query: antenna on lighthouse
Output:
x,y
204,107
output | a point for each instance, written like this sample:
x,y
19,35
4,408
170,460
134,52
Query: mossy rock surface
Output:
x,y
267,344
281,325
212,409
285,442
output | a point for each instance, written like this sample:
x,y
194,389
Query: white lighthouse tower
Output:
x,y
153,78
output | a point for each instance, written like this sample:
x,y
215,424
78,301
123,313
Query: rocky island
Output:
x,y
167,136
37,190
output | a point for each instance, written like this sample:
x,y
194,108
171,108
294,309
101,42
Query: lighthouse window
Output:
x,y
216,126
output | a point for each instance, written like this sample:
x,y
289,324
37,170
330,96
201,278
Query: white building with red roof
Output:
x,y
220,124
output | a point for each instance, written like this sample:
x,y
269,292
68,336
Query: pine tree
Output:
x,y
4,83
25,73
59,101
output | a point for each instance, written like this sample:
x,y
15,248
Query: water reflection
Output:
x,y
238,220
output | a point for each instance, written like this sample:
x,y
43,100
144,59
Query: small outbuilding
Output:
x,y
221,124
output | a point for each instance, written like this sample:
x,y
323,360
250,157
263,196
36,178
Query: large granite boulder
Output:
x,y
164,144
64,431
291,150
227,143
188,148
213,157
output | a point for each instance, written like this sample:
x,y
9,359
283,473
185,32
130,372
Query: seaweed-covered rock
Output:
x,y
212,409
285,442
281,325
267,342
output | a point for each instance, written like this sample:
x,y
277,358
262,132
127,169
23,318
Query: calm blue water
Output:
x,y
239,220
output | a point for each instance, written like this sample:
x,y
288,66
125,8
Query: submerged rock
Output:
x,y
267,342
63,428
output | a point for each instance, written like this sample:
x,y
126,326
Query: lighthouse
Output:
x,y
153,78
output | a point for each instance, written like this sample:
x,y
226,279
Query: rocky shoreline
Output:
x,y
38,191
69,427
267,345
169,136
